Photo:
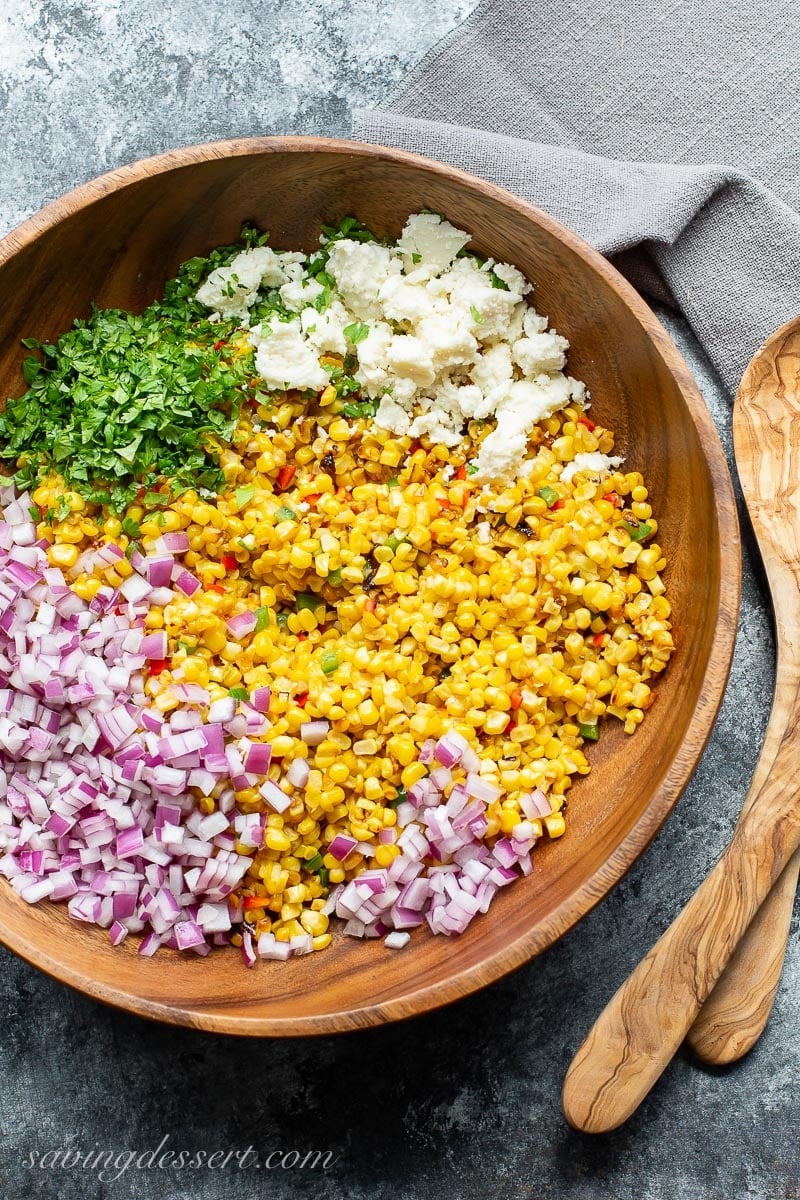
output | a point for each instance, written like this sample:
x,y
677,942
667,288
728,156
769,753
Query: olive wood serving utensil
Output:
x,y
733,1018
643,1025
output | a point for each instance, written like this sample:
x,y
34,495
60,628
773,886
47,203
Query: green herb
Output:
x,y
590,732
283,619
393,482
244,495
323,876
130,528
189,647
126,400
415,258
284,514
262,619
314,864
472,468
34,514
357,332
239,693
400,798
329,662
476,316
335,577
393,542
364,408
308,600
548,494
497,282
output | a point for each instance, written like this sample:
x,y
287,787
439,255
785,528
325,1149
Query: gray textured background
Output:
x,y
463,1103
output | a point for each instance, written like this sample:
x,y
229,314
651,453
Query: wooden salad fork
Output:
x,y
643,1025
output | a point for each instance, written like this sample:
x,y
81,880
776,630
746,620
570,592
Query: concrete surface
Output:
x,y
463,1103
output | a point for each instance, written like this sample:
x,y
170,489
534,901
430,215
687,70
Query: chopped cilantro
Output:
x,y
400,798
283,619
393,482
476,316
415,258
189,647
472,468
130,528
356,332
499,283
123,400
335,577
363,408
239,693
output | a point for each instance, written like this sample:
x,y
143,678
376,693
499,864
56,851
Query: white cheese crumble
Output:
x,y
438,340
592,461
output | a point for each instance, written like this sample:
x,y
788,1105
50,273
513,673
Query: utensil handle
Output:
x,y
733,1017
643,1025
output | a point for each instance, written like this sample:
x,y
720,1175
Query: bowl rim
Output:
x,y
592,891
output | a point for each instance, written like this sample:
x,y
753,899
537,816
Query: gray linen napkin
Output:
x,y
667,135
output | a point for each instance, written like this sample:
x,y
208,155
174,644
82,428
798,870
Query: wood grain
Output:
x,y
733,1018
643,1025
116,241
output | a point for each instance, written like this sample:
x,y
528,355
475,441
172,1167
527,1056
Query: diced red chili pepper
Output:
x,y
314,498
598,639
301,699
613,499
253,902
590,425
461,473
414,447
228,561
157,665
558,504
222,342
285,476
215,587
516,698
302,636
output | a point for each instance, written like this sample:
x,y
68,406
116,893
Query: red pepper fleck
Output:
x,y
253,902
461,473
516,698
285,476
215,587
302,636
613,499
313,498
590,425
157,665
301,699
228,561
370,605
558,504
598,639
222,342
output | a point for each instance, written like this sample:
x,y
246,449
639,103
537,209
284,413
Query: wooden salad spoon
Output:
x,y
643,1025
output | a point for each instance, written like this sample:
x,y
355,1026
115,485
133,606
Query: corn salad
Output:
x,y
398,602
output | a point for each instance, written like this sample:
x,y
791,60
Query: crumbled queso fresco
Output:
x,y
440,337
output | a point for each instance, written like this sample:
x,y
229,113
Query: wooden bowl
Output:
x,y
116,241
